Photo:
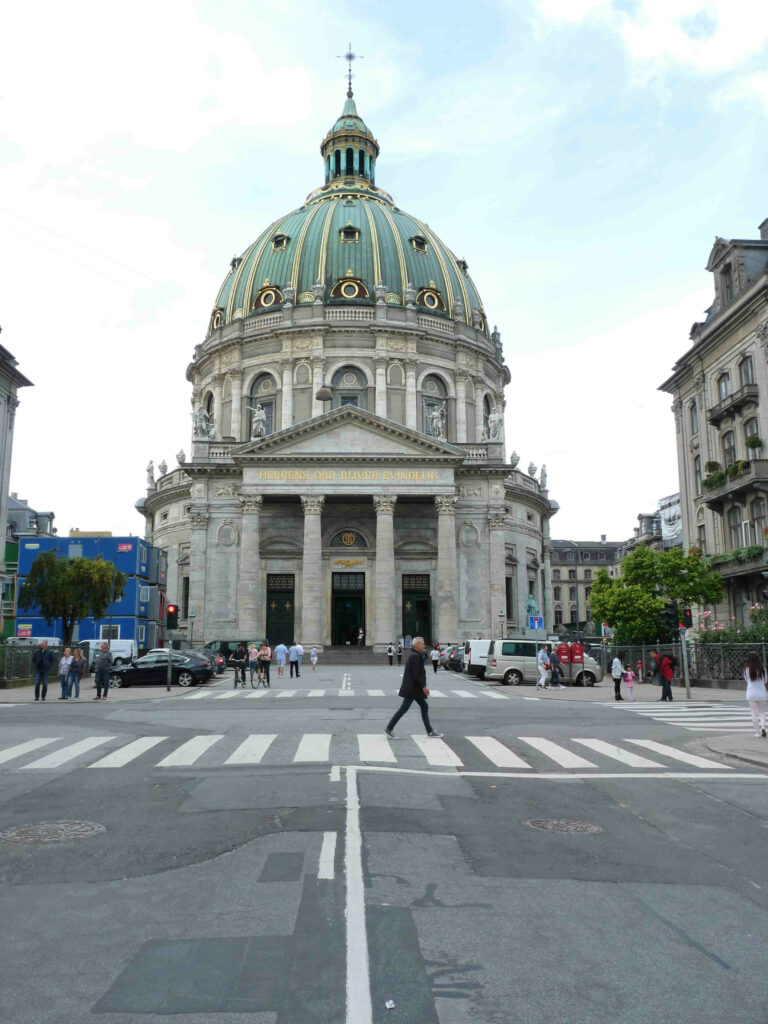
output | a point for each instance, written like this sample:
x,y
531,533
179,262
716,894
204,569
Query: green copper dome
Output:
x,y
348,245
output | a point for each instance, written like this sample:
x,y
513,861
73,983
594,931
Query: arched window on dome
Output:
x,y
487,410
349,388
337,163
264,394
361,163
434,408
350,161
208,405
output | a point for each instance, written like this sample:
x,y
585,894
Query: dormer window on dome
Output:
x,y
349,287
349,233
431,298
217,317
280,242
419,243
267,296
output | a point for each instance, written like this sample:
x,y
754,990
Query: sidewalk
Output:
x,y
745,748
26,694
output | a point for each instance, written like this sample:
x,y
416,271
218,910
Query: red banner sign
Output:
x,y
125,547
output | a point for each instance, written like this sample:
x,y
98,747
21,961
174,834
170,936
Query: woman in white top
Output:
x,y
64,664
754,677
617,672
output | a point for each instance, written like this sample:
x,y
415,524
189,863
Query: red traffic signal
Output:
x,y
172,616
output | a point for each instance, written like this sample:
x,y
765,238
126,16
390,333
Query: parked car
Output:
x,y
451,657
445,653
186,670
475,656
217,661
513,660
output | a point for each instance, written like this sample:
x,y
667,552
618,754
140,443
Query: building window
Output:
x,y
569,556
693,410
143,595
729,448
571,593
574,614
751,429
109,632
571,574
142,635
697,475
726,279
701,531
601,556
585,556
348,385
587,574
747,371
587,592
557,593
264,394
734,526
185,597
419,243
280,242
431,298
724,386
349,233
555,574
757,510
558,616
433,407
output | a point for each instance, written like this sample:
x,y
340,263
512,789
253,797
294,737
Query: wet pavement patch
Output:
x,y
51,832
397,968
282,867
576,828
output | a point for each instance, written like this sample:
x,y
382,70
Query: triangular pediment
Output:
x,y
719,249
351,433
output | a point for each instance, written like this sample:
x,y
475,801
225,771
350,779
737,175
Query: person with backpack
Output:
x,y
542,662
754,677
667,671
617,674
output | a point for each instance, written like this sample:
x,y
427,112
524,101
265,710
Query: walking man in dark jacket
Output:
x,y
42,659
102,666
414,688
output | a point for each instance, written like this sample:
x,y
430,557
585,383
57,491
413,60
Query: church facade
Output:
x,y
348,468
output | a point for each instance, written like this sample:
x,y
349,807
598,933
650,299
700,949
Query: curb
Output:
x,y
736,757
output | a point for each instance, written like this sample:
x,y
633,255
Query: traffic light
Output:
x,y
687,619
172,616
669,617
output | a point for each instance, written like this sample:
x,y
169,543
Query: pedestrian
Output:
x,y
435,656
556,669
253,660
300,652
414,688
360,637
238,660
281,653
313,655
293,659
667,670
617,671
639,670
629,679
42,659
754,677
265,659
76,671
64,662
391,653
102,665
399,653
542,662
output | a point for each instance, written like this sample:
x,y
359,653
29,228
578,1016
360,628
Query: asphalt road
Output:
x,y
269,857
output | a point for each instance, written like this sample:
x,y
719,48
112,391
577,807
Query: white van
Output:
x,y
475,655
32,641
513,660
122,651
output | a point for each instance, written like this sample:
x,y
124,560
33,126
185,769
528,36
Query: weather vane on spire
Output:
x,y
349,56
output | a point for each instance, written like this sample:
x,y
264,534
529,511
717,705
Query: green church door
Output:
x,y
280,608
417,606
348,607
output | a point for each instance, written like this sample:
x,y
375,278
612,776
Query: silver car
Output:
x,y
514,662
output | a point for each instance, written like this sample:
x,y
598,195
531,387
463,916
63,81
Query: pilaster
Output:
x,y
312,572
250,605
384,585
447,569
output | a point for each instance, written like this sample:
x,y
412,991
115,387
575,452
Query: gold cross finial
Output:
x,y
349,56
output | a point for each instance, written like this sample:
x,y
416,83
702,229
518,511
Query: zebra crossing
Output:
x,y
537,754
278,694
694,715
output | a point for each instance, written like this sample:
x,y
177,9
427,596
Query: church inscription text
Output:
x,y
349,475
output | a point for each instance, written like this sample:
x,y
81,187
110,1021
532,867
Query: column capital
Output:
x,y
198,520
445,504
312,504
235,374
497,518
250,504
218,379
384,504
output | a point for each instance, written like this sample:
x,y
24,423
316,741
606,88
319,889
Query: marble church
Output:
x,y
348,465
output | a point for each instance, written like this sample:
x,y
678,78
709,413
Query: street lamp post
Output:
x,y
191,618
501,624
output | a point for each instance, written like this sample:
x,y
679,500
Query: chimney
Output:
x,y
602,538
763,229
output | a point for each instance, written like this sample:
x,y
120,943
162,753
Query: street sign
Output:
x,y
535,622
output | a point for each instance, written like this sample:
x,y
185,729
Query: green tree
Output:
x,y
632,604
70,589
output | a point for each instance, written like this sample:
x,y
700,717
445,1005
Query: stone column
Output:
x,y
497,571
447,570
384,586
287,394
411,419
218,385
312,572
461,409
478,411
318,407
547,605
381,388
198,533
250,603
236,416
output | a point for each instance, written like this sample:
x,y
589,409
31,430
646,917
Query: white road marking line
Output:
x,y
722,727
435,693
188,752
376,693
464,693
346,693
359,1009
60,757
612,751
25,748
559,776
129,752
493,694
256,693
325,864
531,698
335,775
314,747
497,753
375,748
227,695
680,755
558,754
316,693
251,750
437,752
197,696
285,693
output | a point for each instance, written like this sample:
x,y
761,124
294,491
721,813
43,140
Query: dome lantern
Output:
x,y
349,149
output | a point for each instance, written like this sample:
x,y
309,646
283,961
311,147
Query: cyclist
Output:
x,y
264,659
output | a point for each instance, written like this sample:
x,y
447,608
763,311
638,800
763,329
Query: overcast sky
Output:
x,y
580,154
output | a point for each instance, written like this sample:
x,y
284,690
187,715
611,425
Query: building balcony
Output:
x,y
732,404
736,486
739,562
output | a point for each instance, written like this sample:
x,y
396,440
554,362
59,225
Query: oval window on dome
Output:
x,y
349,288
431,298
267,296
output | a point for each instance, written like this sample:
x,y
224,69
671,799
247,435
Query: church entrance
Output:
x,y
347,607
280,608
417,606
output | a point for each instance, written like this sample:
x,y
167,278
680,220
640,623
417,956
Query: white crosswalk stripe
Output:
x,y
285,694
464,693
227,695
694,716
376,693
278,694
477,753
316,693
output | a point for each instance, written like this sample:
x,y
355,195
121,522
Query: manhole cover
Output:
x,y
51,832
563,825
